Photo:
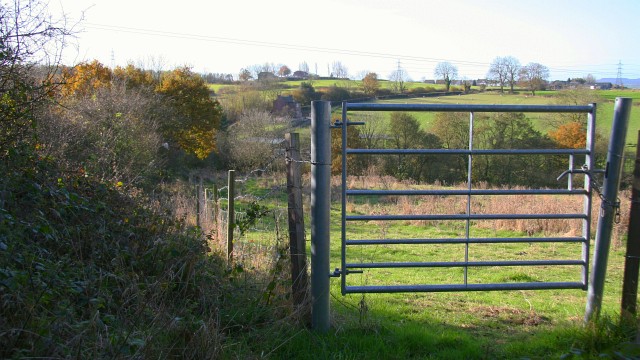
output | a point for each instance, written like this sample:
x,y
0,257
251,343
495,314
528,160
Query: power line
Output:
x,y
420,61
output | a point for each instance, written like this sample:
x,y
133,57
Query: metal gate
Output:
x,y
376,269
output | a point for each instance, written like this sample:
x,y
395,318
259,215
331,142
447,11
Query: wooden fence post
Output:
x,y
632,259
198,203
230,213
297,245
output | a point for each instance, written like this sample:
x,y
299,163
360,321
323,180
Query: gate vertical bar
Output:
x,y
469,179
612,174
589,161
320,213
343,212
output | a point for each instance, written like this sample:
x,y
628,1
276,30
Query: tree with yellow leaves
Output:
x,y
196,116
572,135
85,78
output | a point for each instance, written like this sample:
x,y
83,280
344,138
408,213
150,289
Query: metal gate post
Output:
x,y
608,207
320,213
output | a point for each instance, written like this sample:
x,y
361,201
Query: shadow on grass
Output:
x,y
485,332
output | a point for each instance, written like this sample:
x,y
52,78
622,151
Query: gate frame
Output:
x,y
321,185
465,286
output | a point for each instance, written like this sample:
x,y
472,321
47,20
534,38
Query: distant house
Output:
x,y
301,75
286,105
265,75
601,86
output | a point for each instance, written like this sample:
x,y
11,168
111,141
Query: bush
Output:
x,y
335,93
113,134
94,274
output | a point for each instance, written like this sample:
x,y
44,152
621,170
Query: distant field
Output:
x,y
603,120
605,109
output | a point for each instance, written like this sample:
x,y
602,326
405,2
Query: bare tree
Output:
x,y
252,142
447,72
534,77
245,75
339,70
512,67
398,78
303,66
498,72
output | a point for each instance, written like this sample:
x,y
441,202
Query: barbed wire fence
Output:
x,y
263,240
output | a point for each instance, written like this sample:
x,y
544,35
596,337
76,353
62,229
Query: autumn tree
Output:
x,y
370,84
534,77
284,71
85,78
447,72
572,135
134,77
195,118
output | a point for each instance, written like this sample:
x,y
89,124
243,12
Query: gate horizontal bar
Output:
x,y
469,152
465,217
468,192
463,287
434,264
469,108
466,241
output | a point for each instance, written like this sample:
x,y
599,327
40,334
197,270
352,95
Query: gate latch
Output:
x,y
583,170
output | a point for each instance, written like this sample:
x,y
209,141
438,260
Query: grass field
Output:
x,y
603,120
454,325
450,325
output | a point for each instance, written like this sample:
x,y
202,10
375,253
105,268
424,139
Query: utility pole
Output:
x,y
619,76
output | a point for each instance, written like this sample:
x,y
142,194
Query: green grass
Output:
x,y
603,121
449,325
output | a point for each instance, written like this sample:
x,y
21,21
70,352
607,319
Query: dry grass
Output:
x,y
503,204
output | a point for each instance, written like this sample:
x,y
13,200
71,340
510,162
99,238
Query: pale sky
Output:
x,y
572,38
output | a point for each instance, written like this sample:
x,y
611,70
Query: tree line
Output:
x,y
504,71
451,131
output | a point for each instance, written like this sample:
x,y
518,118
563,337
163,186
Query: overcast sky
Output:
x,y
571,37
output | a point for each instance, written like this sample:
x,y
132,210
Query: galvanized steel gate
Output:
x,y
352,245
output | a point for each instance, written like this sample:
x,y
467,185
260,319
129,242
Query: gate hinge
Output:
x,y
338,124
337,272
